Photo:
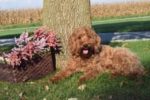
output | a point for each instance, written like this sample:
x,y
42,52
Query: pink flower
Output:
x,y
51,39
29,49
27,46
40,44
13,58
21,53
22,39
39,33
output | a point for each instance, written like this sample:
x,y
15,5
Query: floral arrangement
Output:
x,y
27,46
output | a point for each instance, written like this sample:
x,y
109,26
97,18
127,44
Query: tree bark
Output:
x,y
63,16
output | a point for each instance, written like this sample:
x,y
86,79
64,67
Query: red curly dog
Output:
x,y
89,56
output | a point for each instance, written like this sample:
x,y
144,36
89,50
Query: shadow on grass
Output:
x,y
131,26
6,49
10,36
13,35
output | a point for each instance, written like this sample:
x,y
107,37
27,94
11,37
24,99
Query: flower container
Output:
x,y
32,58
37,68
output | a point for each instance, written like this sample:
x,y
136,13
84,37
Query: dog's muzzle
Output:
x,y
86,51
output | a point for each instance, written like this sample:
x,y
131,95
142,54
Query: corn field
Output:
x,y
28,16
20,16
121,9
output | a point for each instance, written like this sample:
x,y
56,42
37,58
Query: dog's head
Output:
x,y
84,42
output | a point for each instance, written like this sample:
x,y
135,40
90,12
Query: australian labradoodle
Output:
x,y
89,56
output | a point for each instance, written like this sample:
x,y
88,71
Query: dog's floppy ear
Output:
x,y
72,44
95,35
97,47
97,38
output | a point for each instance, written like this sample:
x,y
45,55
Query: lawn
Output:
x,y
11,31
103,87
100,26
133,24
2,27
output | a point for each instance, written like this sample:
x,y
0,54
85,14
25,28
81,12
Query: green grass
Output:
x,y
11,31
6,48
19,25
103,87
119,17
116,20
110,25
123,25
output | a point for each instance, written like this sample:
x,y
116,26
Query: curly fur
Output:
x,y
97,58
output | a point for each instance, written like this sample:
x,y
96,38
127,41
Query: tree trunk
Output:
x,y
64,15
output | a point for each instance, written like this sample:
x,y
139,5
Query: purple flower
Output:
x,y
22,39
40,44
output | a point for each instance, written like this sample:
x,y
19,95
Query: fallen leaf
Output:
x,y
6,88
44,99
31,82
21,94
73,99
125,45
122,83
110,97
82,87
46,87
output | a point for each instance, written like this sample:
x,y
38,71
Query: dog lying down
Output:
x,y
92,58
